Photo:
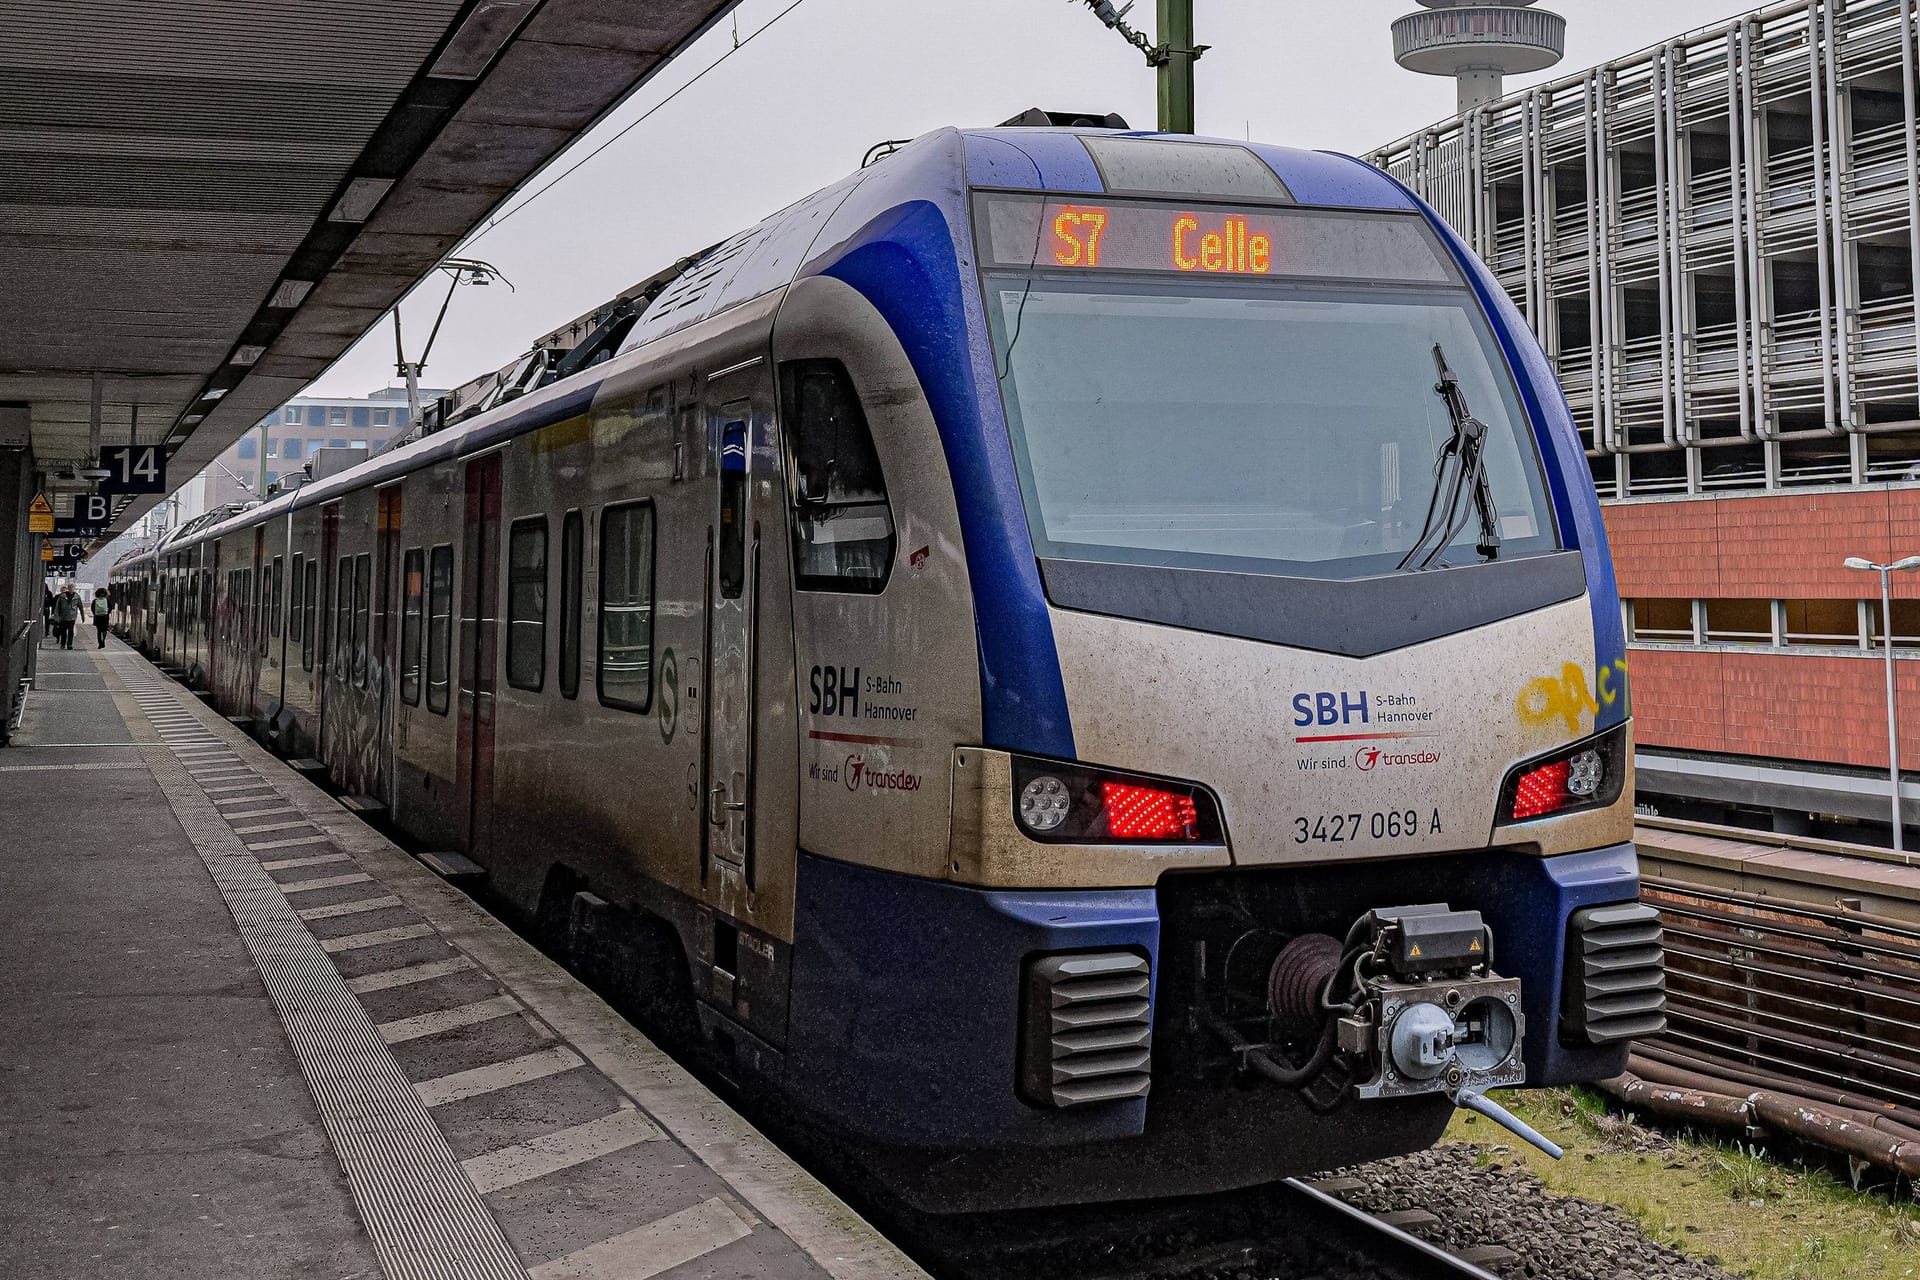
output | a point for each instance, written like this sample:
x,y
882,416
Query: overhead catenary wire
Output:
x,y
739,43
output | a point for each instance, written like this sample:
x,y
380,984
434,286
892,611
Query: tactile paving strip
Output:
x,y
425,1218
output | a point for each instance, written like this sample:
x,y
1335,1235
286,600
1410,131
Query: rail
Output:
x,y
1793,972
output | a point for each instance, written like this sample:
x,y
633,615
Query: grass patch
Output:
x,y
1724,1202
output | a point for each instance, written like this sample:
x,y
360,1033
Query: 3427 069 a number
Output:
x,y
1381,824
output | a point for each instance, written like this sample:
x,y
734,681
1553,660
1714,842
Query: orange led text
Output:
x,y
1076,236
1230,250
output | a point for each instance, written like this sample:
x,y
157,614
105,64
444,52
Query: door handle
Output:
x,y
718,809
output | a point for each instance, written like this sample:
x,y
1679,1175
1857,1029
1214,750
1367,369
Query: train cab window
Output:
x,y
412,600
275,617
843,534
343,619
527,604
570,582
439,627
626,606
362,614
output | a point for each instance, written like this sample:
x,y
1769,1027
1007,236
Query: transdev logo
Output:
x,y
1367,759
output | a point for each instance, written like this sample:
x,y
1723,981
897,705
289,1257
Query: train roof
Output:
x,y
941,167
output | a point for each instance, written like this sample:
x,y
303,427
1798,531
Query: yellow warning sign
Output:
x,y
40,515
1474,946
1413,952
46,551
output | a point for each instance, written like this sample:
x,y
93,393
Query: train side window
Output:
x,y
273,604
343,619
571,533
626,606
527,604
294,598
309,613
362,614
413,595
843,537
439,627
264,617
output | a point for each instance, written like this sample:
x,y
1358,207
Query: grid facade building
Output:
x,y
1716,241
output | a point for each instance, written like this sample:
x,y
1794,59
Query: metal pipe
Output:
x,y
1893,709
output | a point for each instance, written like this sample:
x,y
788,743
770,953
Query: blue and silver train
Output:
x,y
1086,660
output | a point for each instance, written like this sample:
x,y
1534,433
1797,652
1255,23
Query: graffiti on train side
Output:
x,y
1569,697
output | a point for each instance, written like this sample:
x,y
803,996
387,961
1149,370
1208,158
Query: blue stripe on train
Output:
x,y
906,264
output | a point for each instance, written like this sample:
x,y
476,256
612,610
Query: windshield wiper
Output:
x,y
1460,485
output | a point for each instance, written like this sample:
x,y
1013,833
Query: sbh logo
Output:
x,y
1325,709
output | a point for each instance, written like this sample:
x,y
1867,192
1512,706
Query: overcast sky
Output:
x,y
798,107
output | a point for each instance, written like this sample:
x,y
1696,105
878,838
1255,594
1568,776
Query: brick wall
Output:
x,y
1785,706
1786,547
1818,710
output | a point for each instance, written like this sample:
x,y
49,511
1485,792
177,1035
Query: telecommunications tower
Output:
x,y
1479,44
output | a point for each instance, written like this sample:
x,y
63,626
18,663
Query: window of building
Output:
x,y
336,444
527,604
361,417
1663,621
1823,622
343,620
273,478
413,598
570,583
310,613
402,416
362,615
315,444
842,527
248,449
626,606
291,415
1739,621
1906,624
337,415
439,627
382,417
291,448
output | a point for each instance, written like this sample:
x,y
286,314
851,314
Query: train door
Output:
x,y
384,674
749,817
479,649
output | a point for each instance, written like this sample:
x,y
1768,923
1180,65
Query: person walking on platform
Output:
x,y
66,612
46,609
102,614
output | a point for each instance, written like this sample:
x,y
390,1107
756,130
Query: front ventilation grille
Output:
x,y
1616,985
1088,1029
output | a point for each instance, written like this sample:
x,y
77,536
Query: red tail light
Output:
x,y
1078,804
1542,791
1145,813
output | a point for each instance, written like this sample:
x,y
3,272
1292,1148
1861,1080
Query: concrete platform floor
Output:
x,y
247,1036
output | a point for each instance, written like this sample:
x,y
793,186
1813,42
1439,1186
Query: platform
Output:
x,y
248,1036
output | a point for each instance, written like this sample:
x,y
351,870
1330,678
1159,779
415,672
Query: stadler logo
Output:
x,y
1367,759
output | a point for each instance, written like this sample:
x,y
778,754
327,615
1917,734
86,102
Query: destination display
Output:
x,y
1210,240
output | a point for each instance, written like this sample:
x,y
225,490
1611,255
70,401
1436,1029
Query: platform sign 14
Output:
x,y
134,468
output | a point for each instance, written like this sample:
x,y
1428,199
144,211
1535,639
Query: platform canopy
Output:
x,y
203,204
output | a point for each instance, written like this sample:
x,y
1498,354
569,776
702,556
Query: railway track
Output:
x,y
1293,1230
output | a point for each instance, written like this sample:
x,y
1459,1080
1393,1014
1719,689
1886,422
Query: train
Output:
x,y
1084,661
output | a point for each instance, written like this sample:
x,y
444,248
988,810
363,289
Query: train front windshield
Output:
x,y
1243,389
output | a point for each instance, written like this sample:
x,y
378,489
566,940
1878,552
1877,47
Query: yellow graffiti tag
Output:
x,y
1566,696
